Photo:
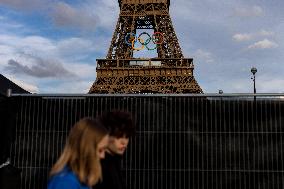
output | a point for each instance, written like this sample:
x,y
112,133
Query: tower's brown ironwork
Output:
x,y
170,72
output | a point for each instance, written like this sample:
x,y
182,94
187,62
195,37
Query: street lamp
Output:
x,y
253,71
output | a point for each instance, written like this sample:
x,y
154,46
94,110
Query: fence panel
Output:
x,y
181,141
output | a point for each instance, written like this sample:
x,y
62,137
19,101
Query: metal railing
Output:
x,y
153,62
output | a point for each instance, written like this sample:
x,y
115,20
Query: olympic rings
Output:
x,y
158,38
148,40
138,49
131,39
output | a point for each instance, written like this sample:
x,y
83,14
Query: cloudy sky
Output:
x,y
51,46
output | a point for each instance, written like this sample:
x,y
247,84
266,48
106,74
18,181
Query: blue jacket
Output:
x,y
65,179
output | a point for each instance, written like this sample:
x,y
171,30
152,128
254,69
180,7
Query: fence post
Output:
x,y
9,93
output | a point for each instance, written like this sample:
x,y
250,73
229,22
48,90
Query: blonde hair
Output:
x,y
80,151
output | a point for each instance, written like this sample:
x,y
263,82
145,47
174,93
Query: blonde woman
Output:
x,y
79,167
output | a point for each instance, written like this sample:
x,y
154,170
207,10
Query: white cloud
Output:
x,y
37,44
266,33
28,87
249,36
4,50
242,37
79,87
75,46
254,11
64,15
202,55
83,70
107,11
13,46
264,44
38,57
29,45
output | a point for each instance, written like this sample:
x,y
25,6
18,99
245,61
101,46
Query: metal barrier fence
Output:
x,y
198,142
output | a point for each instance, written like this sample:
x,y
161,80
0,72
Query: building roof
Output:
x,y
6,84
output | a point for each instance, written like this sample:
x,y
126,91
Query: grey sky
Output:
x,y
225,37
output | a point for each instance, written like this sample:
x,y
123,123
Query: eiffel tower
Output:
x,y
170,72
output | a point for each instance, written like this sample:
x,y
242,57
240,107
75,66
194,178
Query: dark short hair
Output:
x,y
118,123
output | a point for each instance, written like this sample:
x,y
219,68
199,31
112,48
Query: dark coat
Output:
x,y
112,175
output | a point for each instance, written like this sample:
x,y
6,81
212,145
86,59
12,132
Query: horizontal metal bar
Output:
x,y
143,59
281,95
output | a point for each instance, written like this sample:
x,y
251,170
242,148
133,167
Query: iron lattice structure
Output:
x,y
170,72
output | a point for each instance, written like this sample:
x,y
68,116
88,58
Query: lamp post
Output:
x,y
253,71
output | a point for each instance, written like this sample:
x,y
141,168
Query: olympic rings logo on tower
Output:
x,y
131,39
